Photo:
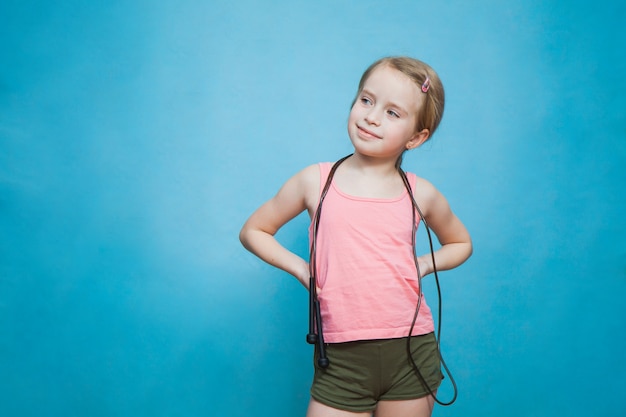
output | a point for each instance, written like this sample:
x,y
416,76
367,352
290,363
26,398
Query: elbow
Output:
x,y
248,237
243,236
470,249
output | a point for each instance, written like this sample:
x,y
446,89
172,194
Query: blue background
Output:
x,y
136,138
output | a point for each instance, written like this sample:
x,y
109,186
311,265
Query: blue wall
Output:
x,y
136,138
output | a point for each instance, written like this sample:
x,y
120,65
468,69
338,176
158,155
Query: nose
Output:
x,y
372,117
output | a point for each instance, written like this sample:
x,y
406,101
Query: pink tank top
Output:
x,y
367,279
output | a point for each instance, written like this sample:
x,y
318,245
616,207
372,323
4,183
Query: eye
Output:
x,y
366,101
393,114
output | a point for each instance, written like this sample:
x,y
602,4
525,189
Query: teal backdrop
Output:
x,y
137,136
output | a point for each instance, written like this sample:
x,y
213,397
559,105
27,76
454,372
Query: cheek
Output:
x,y
353,115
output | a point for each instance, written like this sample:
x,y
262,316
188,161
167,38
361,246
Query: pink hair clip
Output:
x,y
426,85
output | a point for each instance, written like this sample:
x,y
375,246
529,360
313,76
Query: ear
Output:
x,y
418,138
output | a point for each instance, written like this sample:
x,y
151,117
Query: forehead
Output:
x,y
392,85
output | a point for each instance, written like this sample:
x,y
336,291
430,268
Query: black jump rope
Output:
x,y
316,335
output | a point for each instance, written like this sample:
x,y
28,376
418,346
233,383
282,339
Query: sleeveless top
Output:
x,y
366,276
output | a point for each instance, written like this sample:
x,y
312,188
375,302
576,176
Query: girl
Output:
x,y
367,273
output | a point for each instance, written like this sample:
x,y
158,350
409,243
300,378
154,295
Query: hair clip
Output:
x,y
426,85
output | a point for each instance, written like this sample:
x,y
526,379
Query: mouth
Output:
x,y
367,134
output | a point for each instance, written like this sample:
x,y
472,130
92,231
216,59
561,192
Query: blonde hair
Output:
x,y
431,110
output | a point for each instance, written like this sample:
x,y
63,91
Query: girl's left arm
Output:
x,y
456,243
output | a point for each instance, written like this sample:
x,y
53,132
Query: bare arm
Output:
x,y
456,244
257,234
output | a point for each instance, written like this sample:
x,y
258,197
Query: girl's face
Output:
x,y
384,116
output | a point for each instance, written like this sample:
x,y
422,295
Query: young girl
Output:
x,y
367,275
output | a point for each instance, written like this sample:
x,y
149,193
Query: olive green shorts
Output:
x,y
364,372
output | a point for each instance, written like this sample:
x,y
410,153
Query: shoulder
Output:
x,y
305,184
423,187
309,176
427,195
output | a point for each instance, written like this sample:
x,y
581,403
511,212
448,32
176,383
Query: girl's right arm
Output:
x,y
299,193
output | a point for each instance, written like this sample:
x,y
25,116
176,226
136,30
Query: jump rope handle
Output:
x,y
311,338
322,361
315,318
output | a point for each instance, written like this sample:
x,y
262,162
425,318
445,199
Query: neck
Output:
x,y
374,166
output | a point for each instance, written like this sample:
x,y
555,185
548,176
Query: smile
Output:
x,y
367,134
